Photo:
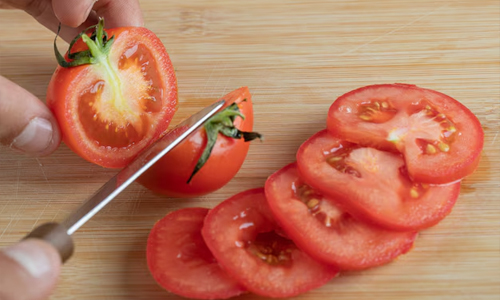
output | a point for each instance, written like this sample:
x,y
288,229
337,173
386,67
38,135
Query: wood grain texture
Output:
x,y
296,57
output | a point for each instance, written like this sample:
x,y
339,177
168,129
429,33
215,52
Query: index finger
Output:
x,y
120,13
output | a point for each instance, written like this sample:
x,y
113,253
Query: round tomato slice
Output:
x,y
440,138
372,185
240,232
180,261
326,232
173,175
112,108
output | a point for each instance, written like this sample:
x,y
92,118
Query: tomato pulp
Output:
x,y
112,108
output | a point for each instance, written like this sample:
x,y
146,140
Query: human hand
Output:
x,y
26,124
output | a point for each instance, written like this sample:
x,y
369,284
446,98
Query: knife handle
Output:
x,y
56,235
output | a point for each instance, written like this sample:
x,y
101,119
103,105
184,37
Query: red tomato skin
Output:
x,y
239,219
62,86
357,197
170,174
349,244
461,161
198,276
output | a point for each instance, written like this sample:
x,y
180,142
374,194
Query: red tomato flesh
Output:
x,y
372,185
324,231
440,138
170,174
240,233
180,261
111,110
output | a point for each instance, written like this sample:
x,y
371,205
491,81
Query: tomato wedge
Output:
x,y
324,231
240,233
114,104
180,261
440,138
372,185
173,175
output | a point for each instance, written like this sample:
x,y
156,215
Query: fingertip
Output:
x,y
38,138
33,267
26,124
72,13
120,13
36,257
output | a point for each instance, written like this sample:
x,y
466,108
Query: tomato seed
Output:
x,y
414,193
444,147
312,203
430,149
365,117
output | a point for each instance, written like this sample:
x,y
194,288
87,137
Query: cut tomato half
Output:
x,y
180,261
440,138
372,185
173,176
112,108
324,231
240,232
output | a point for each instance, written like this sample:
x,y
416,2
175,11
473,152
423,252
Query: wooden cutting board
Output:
x,y
296,57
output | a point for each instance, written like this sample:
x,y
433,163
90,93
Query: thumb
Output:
x,y
26,124
29,270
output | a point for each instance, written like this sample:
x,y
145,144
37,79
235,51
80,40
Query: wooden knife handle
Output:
x,y
56,235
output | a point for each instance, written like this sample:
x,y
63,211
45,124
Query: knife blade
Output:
x,y
59,235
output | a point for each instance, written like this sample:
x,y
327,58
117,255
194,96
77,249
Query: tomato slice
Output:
x,y
240,233
373,185
110,110
180,261
170,175
326,232
440,138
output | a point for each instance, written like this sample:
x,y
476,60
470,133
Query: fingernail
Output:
x,y
30,257
35,137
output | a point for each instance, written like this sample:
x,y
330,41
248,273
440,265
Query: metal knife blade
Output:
x,y
137,167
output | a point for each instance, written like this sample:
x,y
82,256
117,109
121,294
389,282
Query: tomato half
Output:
x,y
240,233
372,185
180,261
439,137
324,231
112,108
170,175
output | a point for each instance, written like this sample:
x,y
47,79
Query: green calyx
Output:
x,y
99,46
223,123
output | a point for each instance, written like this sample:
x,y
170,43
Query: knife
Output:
x,y
59,234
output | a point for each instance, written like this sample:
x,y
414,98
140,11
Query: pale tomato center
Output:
x,y
432,131
115,110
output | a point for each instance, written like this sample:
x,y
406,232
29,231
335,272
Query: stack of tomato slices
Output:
x,y
388,165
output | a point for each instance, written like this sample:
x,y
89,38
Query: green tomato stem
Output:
x,y
98,43
222,123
